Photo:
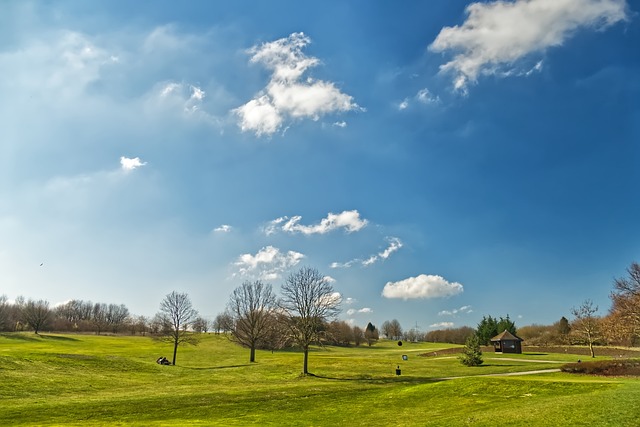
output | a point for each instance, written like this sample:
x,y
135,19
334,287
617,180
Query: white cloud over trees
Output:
x,y
267,264
497,35
422,287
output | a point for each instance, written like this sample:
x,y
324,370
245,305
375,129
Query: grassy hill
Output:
x,y
106,380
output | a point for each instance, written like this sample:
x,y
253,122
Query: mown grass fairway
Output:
x,y
102,380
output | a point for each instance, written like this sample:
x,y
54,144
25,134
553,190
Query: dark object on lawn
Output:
x,y
400,343
398,370
163,361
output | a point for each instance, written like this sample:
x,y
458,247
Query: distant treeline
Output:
x,y
620,326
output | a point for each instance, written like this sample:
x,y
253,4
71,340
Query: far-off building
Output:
x,y
506,342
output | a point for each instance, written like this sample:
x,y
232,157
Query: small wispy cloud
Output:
x,y
423,96
128,164
394,245
224,228
180,95
464,309
350,221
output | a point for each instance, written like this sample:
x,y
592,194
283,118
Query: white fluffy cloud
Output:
x,y
498,34
349,220
288,95
422,286
268,263
130,164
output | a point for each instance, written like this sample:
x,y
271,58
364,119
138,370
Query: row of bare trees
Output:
x,y
299,317
256,318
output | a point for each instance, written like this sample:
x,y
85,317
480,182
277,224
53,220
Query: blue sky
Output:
x,y
438,161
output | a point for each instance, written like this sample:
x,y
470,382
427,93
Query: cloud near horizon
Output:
x,y
422,287
363,310
498,35
442,325
288,96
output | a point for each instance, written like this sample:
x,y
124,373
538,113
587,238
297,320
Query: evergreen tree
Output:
x,y
563,326
471,354
506,324
487,329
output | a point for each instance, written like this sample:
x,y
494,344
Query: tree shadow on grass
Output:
x,y
57,338
19,337
213,368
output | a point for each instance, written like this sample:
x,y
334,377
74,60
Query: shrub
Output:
x,y
613,368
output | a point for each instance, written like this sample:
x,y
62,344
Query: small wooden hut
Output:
x,y
506,342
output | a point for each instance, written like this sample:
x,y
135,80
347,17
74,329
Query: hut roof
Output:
x,y
506,336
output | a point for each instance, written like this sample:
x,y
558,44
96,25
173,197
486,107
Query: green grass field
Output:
x,y
103,380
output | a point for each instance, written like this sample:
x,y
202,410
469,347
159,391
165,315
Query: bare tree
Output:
x,y
586,325
177,315
626,302
308,301
116,316
99,317
4,312
201,325
36,314
339,332
358,335
222,323
251,307
392,329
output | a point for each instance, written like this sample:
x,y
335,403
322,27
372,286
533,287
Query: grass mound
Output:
x,y
609,368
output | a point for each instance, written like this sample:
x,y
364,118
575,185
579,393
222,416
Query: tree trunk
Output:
x,y
252,358
591,349
175,351
305,362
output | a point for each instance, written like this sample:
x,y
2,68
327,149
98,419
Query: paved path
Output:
x,y
513,359
507,374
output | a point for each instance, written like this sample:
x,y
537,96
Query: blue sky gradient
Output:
x,y
438,161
